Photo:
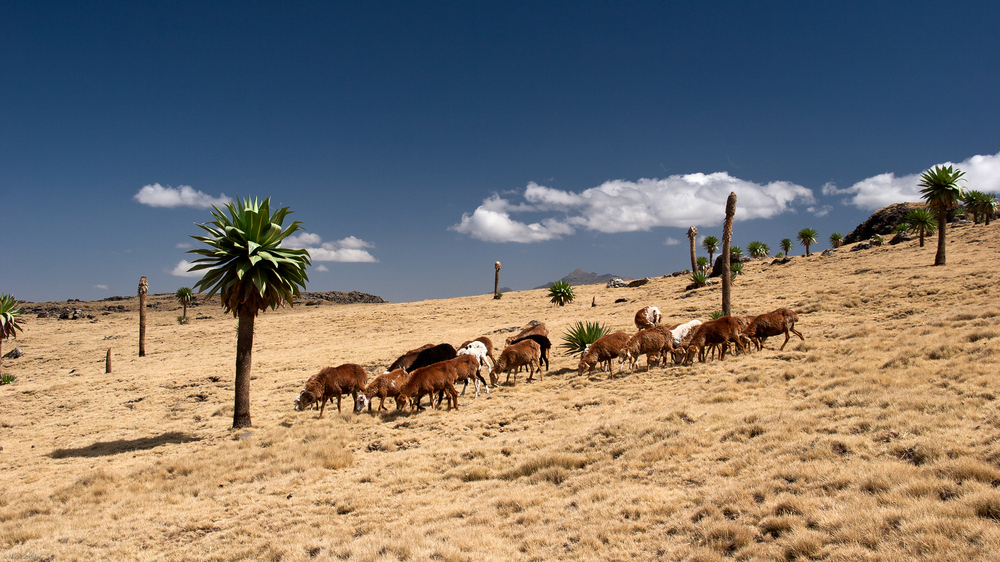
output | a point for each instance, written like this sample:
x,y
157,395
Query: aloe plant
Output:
x,y
10,319
699,278
582,334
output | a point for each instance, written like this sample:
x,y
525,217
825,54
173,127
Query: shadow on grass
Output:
x,y
106,448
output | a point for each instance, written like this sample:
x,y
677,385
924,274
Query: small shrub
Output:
x,y
580,335
561,293
717,314
498,296
699,278
7,379
182,320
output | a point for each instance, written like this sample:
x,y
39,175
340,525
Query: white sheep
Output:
x,y
477,349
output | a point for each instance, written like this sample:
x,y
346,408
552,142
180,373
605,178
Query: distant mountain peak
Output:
x,y
580,276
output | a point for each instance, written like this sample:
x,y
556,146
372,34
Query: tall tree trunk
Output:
x,y
939,258
921,232
185,309
143,289
692,234
496,281
727,236
244,350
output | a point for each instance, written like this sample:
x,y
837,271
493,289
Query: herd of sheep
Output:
x,y
436,369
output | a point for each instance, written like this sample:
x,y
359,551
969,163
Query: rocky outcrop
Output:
x,y
717,267
337,297
882,221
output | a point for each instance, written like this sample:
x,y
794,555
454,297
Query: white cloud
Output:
x,y
670,241
156,195
322,267
101,287
184,245
351,249
981,173
181,270
820,211
627,206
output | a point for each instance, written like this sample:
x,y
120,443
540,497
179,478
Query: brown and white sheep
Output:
x,y
478,350
467,367
426,381
384,386
526,353
489,348
651,342
543,343
331,382
780,321
538,329
603,352
647,317
720,332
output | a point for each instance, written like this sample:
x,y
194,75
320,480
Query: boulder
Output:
x,y
616,283
638,282
866,245
882,221
900,238
717,267
781,261
16,353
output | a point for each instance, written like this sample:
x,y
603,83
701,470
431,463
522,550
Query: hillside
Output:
x,y
581,277
876,438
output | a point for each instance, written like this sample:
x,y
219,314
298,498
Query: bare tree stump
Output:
x,y
107,362
727,270
143,289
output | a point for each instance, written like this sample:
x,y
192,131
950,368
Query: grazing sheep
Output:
x,y
489,348
477,349
720,332
405,360
603,351
525,353
384,386
467,367
651,342
426,381
647,317
332,382
538,329
780,321
431,355
543,343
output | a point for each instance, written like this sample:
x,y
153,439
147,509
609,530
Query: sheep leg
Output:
x,y
787,337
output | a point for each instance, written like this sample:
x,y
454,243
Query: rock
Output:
x,y
679,273
826,252
882,221
353,297
638,282
899,238
876,240
620,300
781,261
16,353
866,245
717,267
616,283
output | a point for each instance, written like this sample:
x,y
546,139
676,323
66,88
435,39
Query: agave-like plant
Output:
x,y
836,240
921,221
717,314
10,320
702,263
184,295
758,249
735,252
736,268
577,337
699,278
561,293
942,192
245,263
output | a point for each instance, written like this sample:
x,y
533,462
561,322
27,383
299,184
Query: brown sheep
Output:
x,y
603,352
538,329
467,367
332,382
720,332
780,321
384,386
647,317
525,353
651,342
405,360
426,381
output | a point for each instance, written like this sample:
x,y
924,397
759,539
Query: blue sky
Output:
x,y
419,142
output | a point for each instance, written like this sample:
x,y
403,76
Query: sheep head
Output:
x,y
361,403
304,400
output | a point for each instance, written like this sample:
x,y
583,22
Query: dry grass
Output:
x,y
875,439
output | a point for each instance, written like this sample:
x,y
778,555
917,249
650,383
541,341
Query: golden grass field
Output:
x,y
874,439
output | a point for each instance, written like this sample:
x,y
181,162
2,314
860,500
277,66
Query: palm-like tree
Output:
x,y
807,237
758,249
922,222
702,263
143,290
727,239
786,245
246,264
942,193
836,240
184,295
711,245
982,205
692,235
10,321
